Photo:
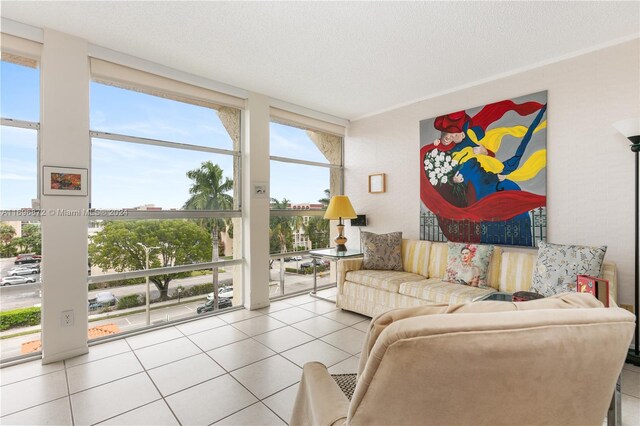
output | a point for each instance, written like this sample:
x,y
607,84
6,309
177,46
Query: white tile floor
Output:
x,y
239,368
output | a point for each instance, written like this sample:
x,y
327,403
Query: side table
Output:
x,y
332,255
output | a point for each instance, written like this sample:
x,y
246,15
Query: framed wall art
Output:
x,y
64,181
483,173
377,183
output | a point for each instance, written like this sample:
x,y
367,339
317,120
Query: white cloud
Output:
x,y
15,176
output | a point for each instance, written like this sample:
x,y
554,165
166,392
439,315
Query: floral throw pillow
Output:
x,y
558,266
468,264
382,251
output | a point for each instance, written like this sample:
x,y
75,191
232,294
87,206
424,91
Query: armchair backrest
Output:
x,y
546,366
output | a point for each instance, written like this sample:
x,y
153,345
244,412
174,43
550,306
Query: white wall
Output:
x,y
590,168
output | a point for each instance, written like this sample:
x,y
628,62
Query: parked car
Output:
x,y
28,266
307,265
222,292
27,258
23,271
17,280
223,302
297,258
102,300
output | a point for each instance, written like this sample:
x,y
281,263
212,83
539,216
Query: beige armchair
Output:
x,y
549,361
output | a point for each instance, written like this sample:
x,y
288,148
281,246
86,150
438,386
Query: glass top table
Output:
x,y
333,254
330,254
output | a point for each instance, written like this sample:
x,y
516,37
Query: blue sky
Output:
x,y
128,174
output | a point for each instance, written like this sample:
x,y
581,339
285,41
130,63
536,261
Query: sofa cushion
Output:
x,y
468,264
493,275
383,280
437,291
516,271
438,260
415,256
438,263
557,266
382,251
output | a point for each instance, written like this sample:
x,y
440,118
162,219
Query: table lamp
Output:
x,y
630,128
340,208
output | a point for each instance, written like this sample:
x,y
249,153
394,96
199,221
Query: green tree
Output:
x,y
31,240
297,223
280,228
318,232
180,242
209,191
7,233
317,229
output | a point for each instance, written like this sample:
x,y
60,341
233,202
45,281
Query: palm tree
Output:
x,y
280,227
326,199
209,192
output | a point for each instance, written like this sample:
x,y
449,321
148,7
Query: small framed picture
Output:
x,y
377,183
64,181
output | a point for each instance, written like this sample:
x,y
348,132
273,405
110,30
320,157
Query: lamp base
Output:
x,y
633,358
340,239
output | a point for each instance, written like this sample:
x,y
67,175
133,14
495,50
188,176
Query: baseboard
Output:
x,y
61,356
258,305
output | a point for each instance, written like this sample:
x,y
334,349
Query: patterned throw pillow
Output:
x,y
382,251
558,266
468,264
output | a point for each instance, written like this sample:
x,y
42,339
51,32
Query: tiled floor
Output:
x,y
239,368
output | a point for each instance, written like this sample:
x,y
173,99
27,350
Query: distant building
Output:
x,y
300,237
147,207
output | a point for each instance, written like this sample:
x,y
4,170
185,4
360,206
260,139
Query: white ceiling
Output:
x,y
348,59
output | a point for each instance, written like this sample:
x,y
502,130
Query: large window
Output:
x,y
306,168
18,165
131,175
165,185
20,95
20,236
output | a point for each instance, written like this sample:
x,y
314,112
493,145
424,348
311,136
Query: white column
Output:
x,y
64,142
255,210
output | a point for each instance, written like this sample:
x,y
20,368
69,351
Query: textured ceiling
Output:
x,y
348,59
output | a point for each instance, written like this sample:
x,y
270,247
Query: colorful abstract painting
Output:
x,y
68,181
483,173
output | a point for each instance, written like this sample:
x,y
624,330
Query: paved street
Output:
x,y
26,295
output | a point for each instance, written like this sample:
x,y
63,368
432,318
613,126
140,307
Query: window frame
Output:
x,y
98,214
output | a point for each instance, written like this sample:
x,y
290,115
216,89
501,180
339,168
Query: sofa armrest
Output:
x,y
319,400
344,266
610,273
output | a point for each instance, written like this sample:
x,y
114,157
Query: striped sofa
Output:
x,y
372,292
